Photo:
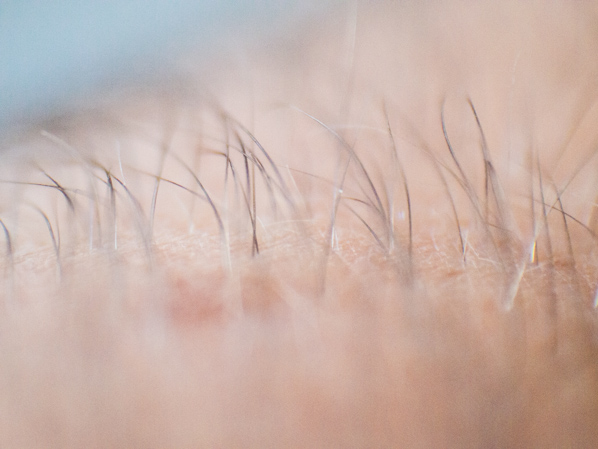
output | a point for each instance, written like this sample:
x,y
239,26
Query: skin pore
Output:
x,y
379,234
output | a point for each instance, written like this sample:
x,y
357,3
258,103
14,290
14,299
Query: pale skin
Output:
x,y
384,237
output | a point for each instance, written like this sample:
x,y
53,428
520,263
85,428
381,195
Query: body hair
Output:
x,y
395,248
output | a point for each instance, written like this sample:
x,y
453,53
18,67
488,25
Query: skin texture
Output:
x,y
379,234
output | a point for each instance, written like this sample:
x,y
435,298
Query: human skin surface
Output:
x,y
379,232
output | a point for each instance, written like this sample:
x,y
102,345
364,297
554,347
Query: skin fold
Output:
x,y
376,230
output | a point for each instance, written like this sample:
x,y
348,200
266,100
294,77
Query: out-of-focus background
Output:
x,y
54,54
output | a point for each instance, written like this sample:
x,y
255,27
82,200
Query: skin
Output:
x,y
382,236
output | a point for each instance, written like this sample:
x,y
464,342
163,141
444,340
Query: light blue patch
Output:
x,y
53,51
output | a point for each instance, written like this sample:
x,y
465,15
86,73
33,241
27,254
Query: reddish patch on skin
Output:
x,y
307,345
196,301
212,297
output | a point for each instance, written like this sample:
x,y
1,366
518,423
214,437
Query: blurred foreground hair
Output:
x,y
394,248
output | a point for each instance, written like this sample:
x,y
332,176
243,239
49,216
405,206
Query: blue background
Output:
x,y
53,51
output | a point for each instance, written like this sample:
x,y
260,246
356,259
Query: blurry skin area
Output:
x,y
376,231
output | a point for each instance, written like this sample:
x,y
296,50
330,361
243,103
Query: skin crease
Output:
x,y
353,284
